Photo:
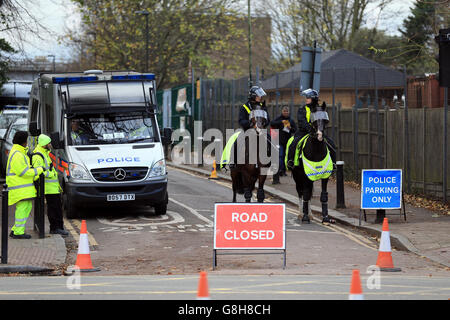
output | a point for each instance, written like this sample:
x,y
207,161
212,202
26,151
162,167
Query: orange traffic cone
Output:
x,y
214,172
203,291
84,256
384,261
355,287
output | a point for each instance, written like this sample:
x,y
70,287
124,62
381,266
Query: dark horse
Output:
x,y
244,175
315,149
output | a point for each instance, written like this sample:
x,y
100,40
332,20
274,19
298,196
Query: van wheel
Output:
x,y
161,208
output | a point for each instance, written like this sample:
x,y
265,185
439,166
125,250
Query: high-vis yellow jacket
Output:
x,y
51,176
20,175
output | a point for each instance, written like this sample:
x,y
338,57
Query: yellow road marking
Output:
x,y
69,227
77,224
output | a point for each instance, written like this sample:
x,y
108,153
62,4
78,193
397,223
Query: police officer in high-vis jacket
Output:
x,y
19,178
255,95
305,126
41,158
304,122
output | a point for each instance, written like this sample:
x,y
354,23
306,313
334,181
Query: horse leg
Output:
x,y
260,194
248,194
324,200
307,193
299,188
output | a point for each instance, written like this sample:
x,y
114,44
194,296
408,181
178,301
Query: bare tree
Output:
x,y
18,22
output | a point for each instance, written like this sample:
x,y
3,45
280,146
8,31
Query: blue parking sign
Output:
x,y
381,189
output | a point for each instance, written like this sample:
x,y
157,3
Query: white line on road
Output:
x,y
193,211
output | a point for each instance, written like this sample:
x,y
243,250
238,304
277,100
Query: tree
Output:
x,y
180,31
333,23
19,23
417,37
5,47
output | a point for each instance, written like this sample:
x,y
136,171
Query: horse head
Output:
x,y
319,120
259,119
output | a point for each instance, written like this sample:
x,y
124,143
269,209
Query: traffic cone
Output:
x,y
84,256
355,287
384,261
214,172
203,291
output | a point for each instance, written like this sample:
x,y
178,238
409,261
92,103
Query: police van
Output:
x,y
106,143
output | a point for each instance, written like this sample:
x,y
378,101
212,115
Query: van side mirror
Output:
x,y
167,136
56,143
33,129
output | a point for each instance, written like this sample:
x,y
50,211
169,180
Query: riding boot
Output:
x,y
306,212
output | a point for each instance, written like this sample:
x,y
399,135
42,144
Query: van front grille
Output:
x,y
119,174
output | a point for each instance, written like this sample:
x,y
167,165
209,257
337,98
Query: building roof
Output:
x,y
346,64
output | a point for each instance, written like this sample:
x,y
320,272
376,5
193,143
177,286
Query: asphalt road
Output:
x,y
143,256
222,287
133,241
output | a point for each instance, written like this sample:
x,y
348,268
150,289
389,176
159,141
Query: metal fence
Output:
x,y
369,121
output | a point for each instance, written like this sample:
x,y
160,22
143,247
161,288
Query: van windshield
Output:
x,y
137,127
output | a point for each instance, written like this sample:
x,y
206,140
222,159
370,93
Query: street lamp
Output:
x,y
146,14
52,56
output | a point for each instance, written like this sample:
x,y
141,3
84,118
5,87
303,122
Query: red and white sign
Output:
x,y
249,226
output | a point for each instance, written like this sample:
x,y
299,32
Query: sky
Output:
x,y
58,15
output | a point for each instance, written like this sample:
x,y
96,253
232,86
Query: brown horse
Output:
x,y
244,175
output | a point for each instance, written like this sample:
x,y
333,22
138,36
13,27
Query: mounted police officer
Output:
x,y
304,122
305,126
255,95
19,178
41,158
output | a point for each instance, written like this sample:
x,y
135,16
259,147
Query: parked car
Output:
x,y
7,141
9,115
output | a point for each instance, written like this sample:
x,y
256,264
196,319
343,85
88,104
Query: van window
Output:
x,y
134,127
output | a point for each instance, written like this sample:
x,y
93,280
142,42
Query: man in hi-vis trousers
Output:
x,y
19,178
41,158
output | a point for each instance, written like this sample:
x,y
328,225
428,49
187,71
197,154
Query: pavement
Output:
x,y
424,232
35,254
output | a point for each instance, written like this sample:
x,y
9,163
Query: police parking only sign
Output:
x,y
381,189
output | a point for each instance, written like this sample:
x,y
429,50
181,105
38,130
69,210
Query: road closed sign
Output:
x,y
381,189
249,226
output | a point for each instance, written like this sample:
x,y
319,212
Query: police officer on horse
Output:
x,y
305,126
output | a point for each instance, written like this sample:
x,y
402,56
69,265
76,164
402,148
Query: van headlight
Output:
x,y
78,172
158,169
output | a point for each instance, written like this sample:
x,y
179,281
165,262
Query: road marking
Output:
x,y
193,211
77,224
69,227
177,218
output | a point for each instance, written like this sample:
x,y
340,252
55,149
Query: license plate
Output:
x,y
120,197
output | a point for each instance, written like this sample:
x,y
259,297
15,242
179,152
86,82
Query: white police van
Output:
x,y
106,142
